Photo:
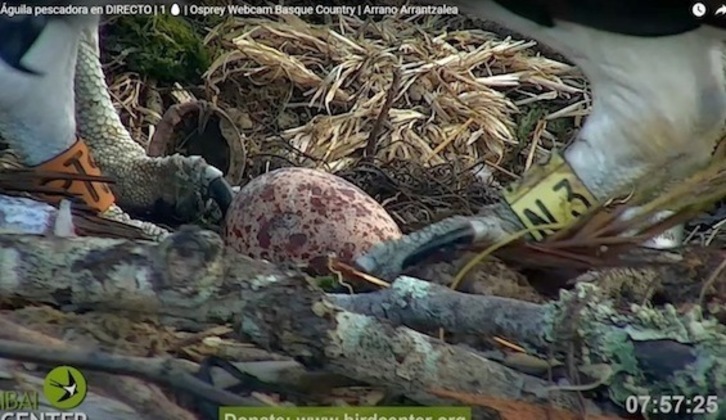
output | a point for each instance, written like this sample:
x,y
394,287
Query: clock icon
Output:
x,y
698,10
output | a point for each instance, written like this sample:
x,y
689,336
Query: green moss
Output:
x,y
526,122
163,47
326,283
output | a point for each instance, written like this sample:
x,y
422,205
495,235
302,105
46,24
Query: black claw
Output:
x,y
222,193
441,245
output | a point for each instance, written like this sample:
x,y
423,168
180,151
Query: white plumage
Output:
x,y
37,112
656,100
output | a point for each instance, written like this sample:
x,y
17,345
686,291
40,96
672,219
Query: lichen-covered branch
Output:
x,y
422,305
649,351
190,280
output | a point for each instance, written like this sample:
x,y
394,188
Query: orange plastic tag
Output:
x,y
77,160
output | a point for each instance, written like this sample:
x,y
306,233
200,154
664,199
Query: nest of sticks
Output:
x,y
428,115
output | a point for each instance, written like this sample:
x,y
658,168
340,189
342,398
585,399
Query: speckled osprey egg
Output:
x,y
297,214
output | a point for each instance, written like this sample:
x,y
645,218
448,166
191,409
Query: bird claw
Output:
x,y
219,190
389,259
170,188
207,183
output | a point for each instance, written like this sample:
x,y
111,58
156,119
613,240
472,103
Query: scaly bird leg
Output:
x,y
177,184
39,118
659,109
37,102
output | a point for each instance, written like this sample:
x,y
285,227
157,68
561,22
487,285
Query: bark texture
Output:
x,y
190,281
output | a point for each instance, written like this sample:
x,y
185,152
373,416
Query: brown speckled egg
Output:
x,y
297,214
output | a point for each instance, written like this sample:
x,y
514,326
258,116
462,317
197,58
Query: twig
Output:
x,y
161,371
370,150
137,394
711,281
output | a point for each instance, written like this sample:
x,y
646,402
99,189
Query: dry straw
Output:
x,y
458,92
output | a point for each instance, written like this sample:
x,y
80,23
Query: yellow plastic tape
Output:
x,y
549,193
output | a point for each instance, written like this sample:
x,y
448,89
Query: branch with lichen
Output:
x,y
647,351
190,280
